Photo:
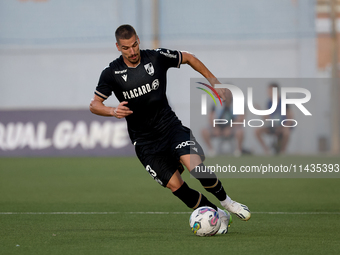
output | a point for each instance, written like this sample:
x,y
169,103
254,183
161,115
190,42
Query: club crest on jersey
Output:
x,y
149,69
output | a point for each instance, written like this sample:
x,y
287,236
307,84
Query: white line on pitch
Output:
x,y
100,213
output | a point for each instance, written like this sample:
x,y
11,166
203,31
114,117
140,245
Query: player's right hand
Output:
x,y
121,111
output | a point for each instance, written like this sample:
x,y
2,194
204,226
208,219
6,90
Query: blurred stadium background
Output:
x,y
54,200
52,53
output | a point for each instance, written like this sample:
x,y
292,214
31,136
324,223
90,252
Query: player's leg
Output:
x,y
192,198
183,146
213,185
164,168
208,180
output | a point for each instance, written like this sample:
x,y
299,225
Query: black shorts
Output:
x,y
162,158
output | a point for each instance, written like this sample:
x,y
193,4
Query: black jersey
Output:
x,y
144,88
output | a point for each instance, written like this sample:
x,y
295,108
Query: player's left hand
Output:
x,y
121,111
222,93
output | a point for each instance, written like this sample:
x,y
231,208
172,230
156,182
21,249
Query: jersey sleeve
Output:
x,y
104,87
171,58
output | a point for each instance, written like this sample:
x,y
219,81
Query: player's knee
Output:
x,y
191,161
201,172
175,182
172,187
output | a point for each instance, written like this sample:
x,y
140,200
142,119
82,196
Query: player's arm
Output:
x,y
197,65
97,107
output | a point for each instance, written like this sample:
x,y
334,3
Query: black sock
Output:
x,y
210,182
192,198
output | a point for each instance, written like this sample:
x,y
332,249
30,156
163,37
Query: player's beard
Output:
x,y
134,58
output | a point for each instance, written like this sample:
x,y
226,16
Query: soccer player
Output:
x,y
162,143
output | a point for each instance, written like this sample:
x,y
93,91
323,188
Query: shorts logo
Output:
x,y
183,144
153,174
149,69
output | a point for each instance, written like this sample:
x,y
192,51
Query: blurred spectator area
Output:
x,y
323,29
58,49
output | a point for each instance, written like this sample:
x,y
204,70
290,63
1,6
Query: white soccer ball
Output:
x,y
205,221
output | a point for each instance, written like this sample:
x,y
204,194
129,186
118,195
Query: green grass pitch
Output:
x,y
112,206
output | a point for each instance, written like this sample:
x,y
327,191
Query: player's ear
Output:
x,y
117,45
138,40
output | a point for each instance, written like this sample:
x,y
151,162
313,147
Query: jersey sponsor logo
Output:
x,y
155,84
183,144
121,71
149,69
168,54
141,90
124,76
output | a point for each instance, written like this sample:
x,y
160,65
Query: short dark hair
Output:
x,y
125,32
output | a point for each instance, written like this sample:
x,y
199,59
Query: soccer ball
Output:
x,y
205,221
